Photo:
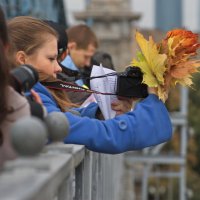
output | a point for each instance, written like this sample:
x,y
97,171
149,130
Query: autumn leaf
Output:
x,y
181,48
169,62
151,63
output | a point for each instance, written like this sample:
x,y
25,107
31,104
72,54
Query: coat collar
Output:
x,y
38,87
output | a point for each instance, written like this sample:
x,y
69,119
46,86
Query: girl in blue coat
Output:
x,y
34,42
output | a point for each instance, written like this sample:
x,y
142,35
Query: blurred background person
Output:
x,y
98,58
12,105
82,44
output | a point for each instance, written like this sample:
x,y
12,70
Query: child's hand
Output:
x,y
122,105
152,90
36,97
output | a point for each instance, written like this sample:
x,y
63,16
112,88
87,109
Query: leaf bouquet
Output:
x,y
171,61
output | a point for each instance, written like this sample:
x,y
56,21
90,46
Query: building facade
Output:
x,y
44,9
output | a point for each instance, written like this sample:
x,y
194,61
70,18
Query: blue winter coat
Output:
x,y
147,125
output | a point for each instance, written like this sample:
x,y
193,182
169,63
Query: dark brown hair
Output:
x,y
4,67
82,35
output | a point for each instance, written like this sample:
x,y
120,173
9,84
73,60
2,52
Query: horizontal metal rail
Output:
x,y
62,172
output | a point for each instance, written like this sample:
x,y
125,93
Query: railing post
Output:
x,y
79,182
83,177
87,176
65,191
95,177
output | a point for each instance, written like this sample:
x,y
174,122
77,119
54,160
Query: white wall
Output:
x,y
190,10
191,14
73,6
147,9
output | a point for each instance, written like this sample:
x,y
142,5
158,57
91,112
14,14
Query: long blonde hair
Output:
x,y
28,34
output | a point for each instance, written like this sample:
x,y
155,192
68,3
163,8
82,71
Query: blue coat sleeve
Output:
x,y
89,111
147,125
50,104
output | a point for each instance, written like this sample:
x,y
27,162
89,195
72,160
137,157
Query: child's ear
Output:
x,y
72,45
20,57
64,54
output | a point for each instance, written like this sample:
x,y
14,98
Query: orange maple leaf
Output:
x,y
179,49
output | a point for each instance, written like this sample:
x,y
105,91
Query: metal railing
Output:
x,y
153,156
62,172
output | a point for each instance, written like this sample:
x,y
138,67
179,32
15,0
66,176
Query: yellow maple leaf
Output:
x,y
150,61
170,47
169,62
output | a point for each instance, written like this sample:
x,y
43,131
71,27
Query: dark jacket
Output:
x,y
19,108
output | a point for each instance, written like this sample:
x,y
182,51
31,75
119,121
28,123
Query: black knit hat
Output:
x,y
63,39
